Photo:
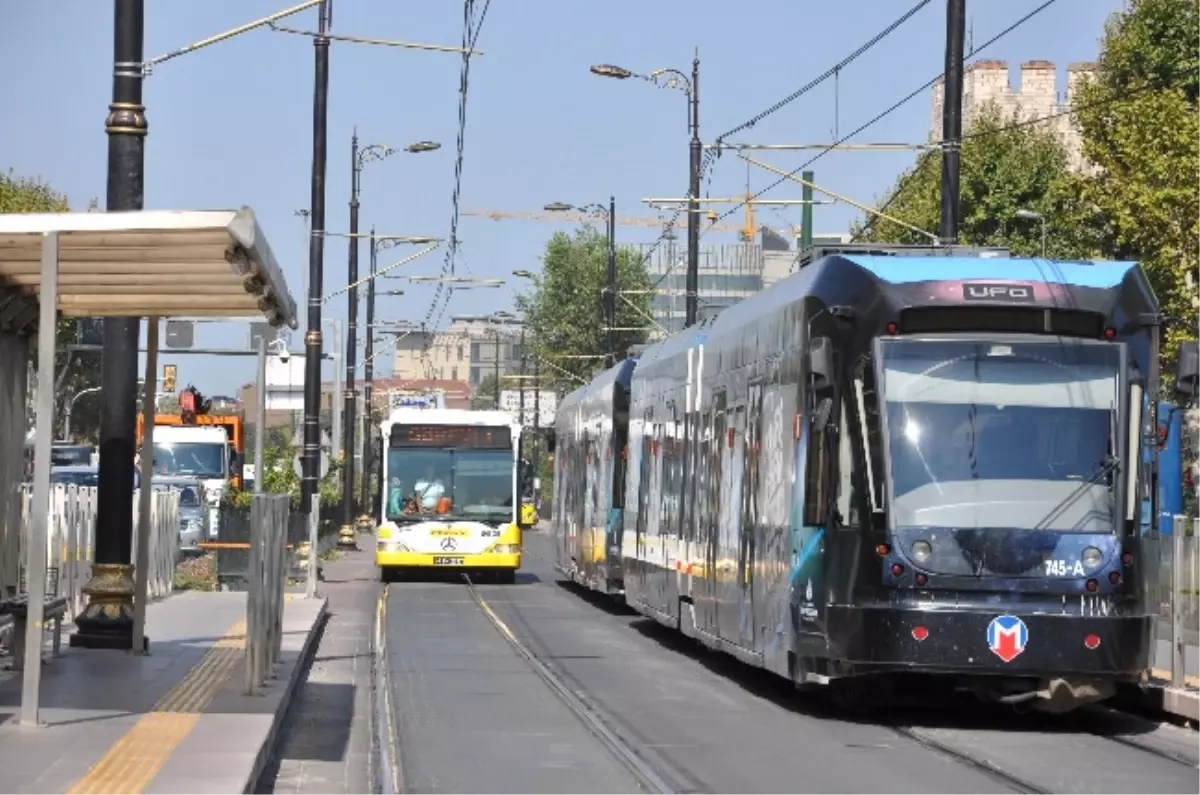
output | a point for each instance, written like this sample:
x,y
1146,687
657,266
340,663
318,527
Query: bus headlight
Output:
x,y
504,549
1091,557
921,551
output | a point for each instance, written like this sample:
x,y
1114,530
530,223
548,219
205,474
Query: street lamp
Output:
x,y
691,87
1030,215
71,407
608,296
358,159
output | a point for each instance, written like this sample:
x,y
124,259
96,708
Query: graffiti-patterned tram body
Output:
x,y
591,430
905,464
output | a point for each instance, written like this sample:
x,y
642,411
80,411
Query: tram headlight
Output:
x,y
921,551
1092,558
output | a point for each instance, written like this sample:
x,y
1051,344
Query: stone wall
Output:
x,y
1036,96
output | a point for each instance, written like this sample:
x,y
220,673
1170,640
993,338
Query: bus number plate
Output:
x,y
449,560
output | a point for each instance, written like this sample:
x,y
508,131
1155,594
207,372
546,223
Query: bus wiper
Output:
x,y
1109,464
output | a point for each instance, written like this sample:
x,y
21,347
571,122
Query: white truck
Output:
x,y
195,451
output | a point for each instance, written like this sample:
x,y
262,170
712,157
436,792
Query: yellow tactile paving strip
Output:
x,y
135,759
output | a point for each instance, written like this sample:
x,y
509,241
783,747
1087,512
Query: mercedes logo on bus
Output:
x,y
448,545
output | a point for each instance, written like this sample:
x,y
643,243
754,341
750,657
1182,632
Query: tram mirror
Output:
x,y
820,363
1187,372
820,417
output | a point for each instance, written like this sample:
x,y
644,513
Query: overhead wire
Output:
x,y
833,71
443,292
1031,122
894,107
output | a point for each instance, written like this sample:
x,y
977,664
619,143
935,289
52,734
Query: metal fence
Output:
x,y
72,533
266,579
1178,588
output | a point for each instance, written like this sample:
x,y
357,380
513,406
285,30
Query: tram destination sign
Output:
x,y
1007,293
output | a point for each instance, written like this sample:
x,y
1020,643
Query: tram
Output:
x,y
887,465
591,432
451,482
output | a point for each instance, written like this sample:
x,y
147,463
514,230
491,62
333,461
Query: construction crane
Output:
x,y
568,217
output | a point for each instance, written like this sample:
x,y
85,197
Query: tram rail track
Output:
x,y
621,750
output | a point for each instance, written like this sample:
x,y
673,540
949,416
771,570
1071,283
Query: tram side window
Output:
x,y
873,435
716,443
847,496
647,461
824,422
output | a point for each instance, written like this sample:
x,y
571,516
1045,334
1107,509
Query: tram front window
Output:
x,y
1013,435
445,484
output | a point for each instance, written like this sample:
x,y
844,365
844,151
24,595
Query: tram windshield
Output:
x,y
1014,435
441,484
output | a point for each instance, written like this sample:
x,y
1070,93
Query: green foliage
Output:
x,y
74,371
484,394
1140,127
563,309
1001,171
279,475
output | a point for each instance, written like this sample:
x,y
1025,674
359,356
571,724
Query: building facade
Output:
x,y
1035,96
468,350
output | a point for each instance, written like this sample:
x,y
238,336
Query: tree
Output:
x,y
74,372
563,311
1002,169
484,394
1141,130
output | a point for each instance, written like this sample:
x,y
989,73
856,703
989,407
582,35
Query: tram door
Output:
x,y
750,516
728,575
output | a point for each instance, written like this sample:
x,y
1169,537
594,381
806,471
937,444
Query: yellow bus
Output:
x,y
451,485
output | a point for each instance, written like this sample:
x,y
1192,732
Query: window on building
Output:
x,y
475,374
474,353
460,353
454,372
517,352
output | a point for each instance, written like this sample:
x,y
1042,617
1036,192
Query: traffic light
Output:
x,y
169,373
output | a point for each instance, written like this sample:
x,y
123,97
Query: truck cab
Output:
x,y
202,452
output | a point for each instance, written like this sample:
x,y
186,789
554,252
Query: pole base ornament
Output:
x,y
366,524
107,621
347,537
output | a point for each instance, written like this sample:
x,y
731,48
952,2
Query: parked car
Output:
x,y
82,475
193,513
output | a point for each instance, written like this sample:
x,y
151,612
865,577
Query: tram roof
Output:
x,y
1080,273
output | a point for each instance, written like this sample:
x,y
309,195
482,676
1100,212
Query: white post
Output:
x,y
260,418
314,521
1178,645
141,571
39,506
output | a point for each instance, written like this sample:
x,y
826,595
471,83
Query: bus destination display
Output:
x,y
473,436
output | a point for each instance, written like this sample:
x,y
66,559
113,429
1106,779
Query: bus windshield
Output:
x,y
201,459
1014,435
459,483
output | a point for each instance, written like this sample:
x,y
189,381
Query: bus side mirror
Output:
x,y
1187,373
820,363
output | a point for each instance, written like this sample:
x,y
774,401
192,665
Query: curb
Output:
x,y
299,671
1161,700
387,770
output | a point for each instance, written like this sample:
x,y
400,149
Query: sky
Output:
x,y
231,125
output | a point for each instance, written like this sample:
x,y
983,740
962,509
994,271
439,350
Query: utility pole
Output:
x,y
521,385
346,531
316,267
693,228
956,15
496,371
107,621
610,293
806,221
365,519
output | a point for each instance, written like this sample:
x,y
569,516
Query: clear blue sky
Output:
x,y
231,125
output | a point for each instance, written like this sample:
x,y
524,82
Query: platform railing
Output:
x,y
266,581
72,534
1179,587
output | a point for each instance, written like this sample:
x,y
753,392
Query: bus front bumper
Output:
x,y
483,560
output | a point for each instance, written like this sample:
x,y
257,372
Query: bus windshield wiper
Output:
x,y
1109,464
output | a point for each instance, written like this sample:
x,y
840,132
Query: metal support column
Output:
x,y
346,533
107,621
145,489
956,16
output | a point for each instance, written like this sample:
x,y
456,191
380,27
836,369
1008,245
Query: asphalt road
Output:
x,y
474,716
